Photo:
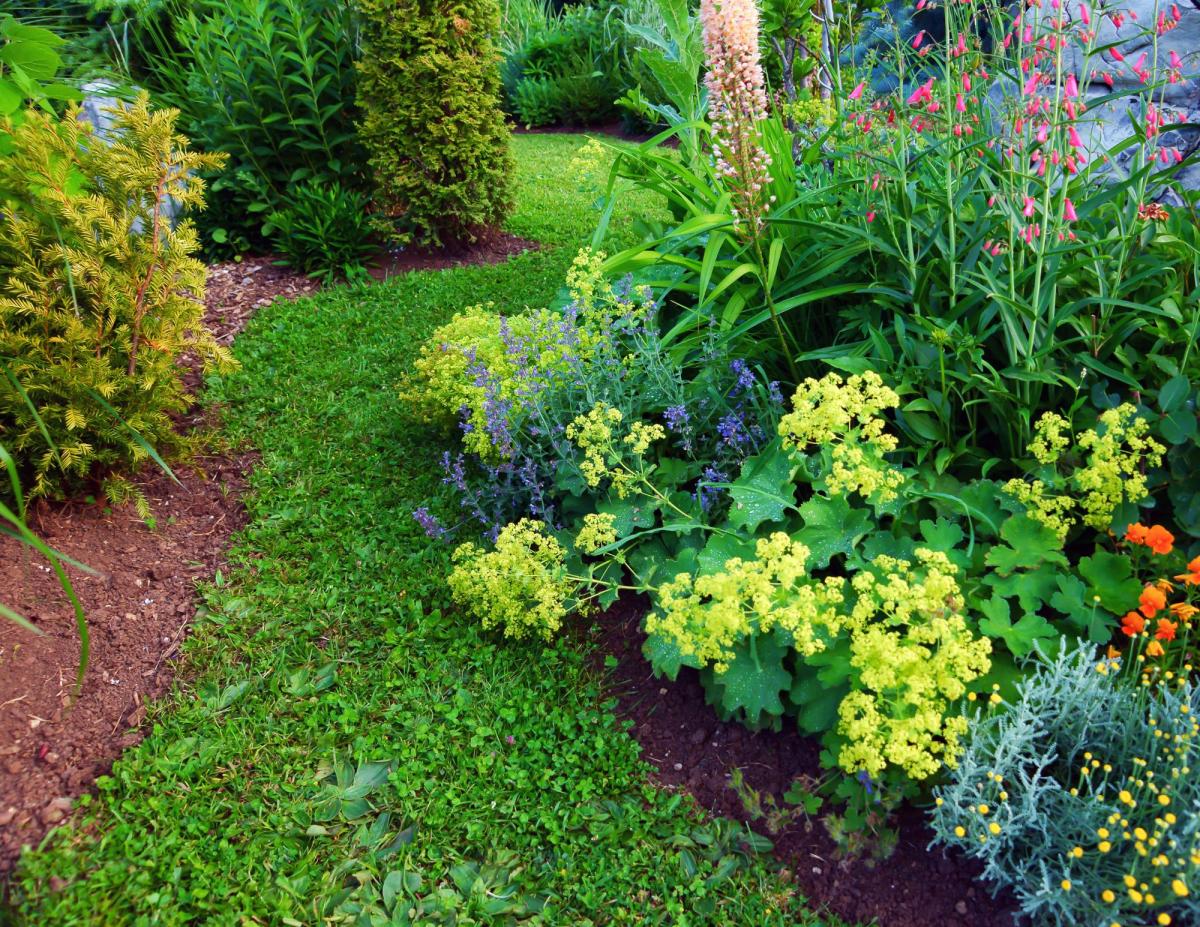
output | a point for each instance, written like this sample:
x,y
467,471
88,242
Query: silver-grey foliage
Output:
x,y
1021,803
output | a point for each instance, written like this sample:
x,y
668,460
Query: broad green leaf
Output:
x,y
1021,637
1173,394
720,549
664,655
1030,545
816,703
1031,588
1110,577
1074,601
831,527
764,491
755,679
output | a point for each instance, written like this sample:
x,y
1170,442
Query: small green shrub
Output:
x,y
431,121
326,233
1082,797
99,294
567,72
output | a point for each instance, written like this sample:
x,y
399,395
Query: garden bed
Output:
x,y
693,750
138,603
491,250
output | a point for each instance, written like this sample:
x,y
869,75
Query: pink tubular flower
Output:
x,y
857,92
923,94
1116,53
1071,88
918,39
1069,211
1030,205
960,105
737,103
1085,14
1073,138
1175,61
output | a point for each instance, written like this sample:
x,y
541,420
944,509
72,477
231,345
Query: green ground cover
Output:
x,y
342,747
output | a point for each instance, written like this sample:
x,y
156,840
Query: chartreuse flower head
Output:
x,y
708,616
522,585
599,530
912,657
844,416
1116,456
609,454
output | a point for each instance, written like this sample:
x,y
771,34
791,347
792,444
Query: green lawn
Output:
x,y
343,747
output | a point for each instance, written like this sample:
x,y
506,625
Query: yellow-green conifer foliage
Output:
x,y
429,91
99,293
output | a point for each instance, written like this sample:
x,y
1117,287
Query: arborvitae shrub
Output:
x,y
99,293
429,92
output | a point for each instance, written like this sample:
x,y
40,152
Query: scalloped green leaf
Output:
x,y
831,527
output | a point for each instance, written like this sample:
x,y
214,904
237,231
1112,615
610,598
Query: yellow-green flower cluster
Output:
x,y
586,281
913,656
593,434
910,651
844,415
1117,453
1043,504
521,585
607,457
442,385
589,162
598,530
707,617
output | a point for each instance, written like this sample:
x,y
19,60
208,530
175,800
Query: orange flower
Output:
x,y
1154,649
1152,600
1192,576
1113,652
1136,533
1159,540
1166,630
1184,610
1133,624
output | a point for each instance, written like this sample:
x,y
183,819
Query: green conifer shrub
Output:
x,y
429,92
99,293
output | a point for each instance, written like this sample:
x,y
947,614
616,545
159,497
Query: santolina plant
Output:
x,y
1082,797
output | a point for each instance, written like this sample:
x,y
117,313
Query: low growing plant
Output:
x,y
1081,797
326,232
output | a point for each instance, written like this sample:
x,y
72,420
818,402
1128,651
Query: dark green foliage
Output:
x,y
431,121
272,85
568,72
326,232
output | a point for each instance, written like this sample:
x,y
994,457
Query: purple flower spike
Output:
x,y
429,522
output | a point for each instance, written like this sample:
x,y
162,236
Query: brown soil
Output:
x,y
138,606
490,250
693,750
